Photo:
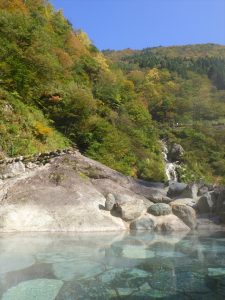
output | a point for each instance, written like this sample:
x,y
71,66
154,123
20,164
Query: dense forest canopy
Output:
x,y
58,89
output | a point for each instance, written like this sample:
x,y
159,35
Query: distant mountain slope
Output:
x,y
186,51
57,88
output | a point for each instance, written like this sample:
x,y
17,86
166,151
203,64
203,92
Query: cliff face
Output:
x,y
66,191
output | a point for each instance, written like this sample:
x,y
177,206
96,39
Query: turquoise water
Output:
x,y
112,266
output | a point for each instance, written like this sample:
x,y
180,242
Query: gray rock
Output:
x,y
131,211
110,201
186,214
176,188
55,198
143,223
159,209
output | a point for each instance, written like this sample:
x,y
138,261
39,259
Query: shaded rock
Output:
x,y
175,153
205,203
186,214
203,190
159,209
143,223
159,197
37,289
190,191
176,188
110,201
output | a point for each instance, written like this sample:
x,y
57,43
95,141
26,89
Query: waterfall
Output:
x,y
170,167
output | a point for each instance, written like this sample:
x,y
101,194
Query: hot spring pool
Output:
x,y
44,266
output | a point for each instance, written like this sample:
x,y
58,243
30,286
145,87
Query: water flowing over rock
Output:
x,y
170,167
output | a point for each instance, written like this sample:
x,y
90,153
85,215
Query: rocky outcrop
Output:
x,y
66,191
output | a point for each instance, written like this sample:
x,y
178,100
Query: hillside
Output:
x,y
58,89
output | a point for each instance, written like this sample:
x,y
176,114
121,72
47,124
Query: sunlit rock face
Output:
x,y
74,193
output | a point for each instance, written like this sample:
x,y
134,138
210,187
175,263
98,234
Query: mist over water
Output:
x,y
112,266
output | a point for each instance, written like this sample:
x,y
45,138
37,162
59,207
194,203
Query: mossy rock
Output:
x,y
160,209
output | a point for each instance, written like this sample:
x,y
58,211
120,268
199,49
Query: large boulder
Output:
x,y
55,198
170,223
160,209
130,207
186,214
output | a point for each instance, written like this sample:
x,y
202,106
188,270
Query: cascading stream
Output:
x,y
170,167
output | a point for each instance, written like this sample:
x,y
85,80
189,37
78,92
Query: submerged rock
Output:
x,y
14,262
213,272
77,269
37,289
137,252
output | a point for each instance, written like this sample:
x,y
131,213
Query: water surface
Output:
x,y
112,266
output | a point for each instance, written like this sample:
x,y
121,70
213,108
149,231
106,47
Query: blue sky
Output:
x,y
119,24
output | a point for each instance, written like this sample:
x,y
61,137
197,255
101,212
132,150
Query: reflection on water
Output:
x,y
112,266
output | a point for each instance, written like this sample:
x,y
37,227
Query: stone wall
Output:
x,y
11,167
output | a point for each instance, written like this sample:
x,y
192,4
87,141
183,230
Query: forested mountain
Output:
x,y
57,88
